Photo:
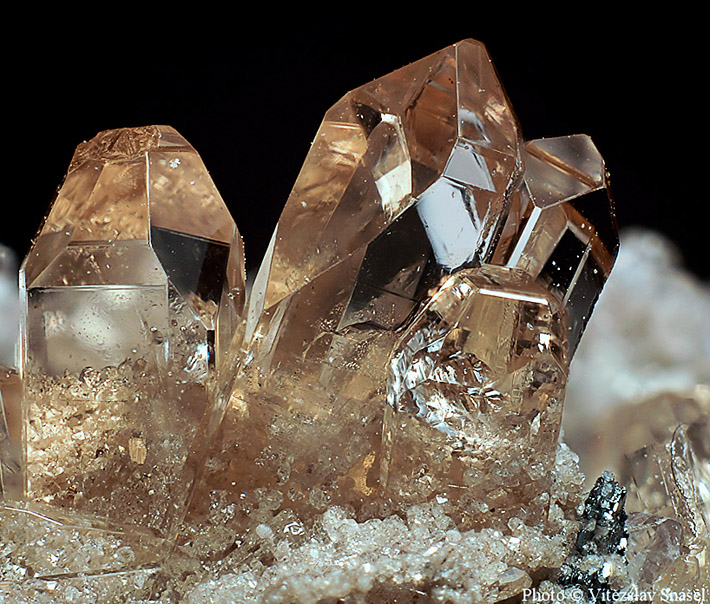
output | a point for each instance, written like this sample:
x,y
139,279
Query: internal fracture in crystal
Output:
x,y
488,401
130,295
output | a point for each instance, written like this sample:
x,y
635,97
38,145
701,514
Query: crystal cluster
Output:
x,y
11,457
393,384
407,188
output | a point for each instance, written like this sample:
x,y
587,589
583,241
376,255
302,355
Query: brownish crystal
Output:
x,y
406,181
561,227
130,294
479,376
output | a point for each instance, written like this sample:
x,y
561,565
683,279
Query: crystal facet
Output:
x,y
487,401
131,292
406,181
562,225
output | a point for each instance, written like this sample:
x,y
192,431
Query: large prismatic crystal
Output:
x,y
407,181
130,293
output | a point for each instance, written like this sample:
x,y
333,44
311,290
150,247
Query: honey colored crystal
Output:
x,y
130,294
561,227
479,376
407,180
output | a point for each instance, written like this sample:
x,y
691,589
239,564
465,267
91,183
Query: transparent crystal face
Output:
x,y
131,292
489,398
562,224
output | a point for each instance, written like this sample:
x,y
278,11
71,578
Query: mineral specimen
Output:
x,y
405,348
130,295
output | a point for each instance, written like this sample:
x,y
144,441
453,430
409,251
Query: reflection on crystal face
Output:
x,y
562,227
491,400
131,292
407,180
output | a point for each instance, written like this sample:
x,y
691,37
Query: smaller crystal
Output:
x,y
479,376
561,227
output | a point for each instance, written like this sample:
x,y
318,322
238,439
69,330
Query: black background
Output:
x,y
249,95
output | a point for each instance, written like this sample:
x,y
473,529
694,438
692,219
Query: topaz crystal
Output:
x,y
130,294
406,181
487,401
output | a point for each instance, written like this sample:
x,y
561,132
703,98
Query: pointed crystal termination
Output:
x,y
479,376
130,295
407,180
562,224
12,477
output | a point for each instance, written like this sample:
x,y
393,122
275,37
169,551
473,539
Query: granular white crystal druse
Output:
x,y
423,553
